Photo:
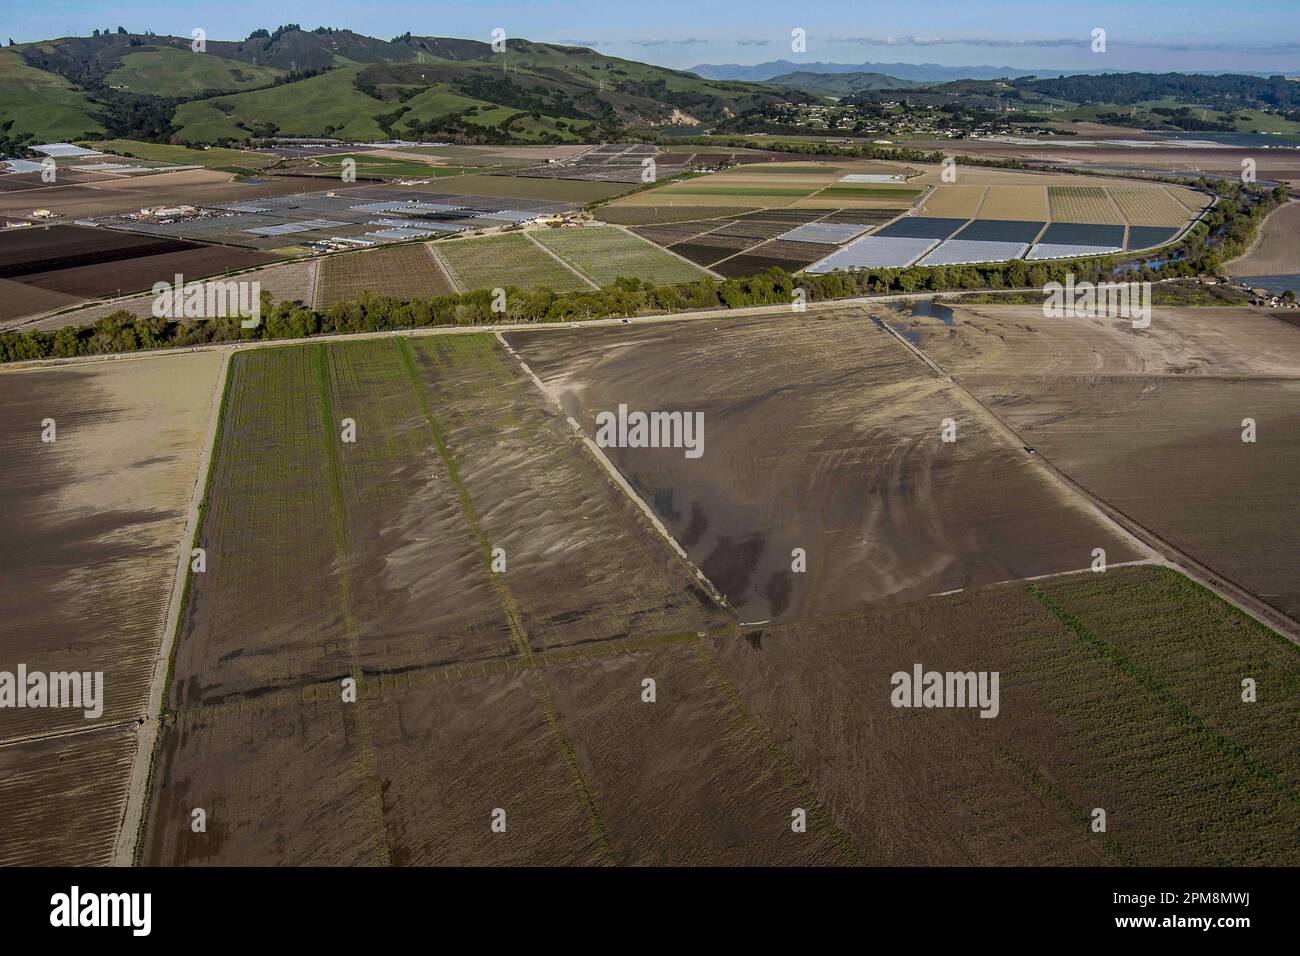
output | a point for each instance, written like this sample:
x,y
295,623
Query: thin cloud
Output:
x,y
654,41
754,42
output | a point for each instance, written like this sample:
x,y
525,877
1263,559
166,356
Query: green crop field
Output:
x,y
493,262
386,167
213,158
1081,192
869,192
403,272
776,192
1119,691
604,253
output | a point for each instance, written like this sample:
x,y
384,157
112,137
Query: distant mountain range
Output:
x,y
916,72
841,84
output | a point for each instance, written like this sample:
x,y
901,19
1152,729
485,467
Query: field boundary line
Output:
x,y
365,753
453,279
1154,561
568,265
514,618
615,474
440,265
1114,204
315,283
131,826
67,732
456,281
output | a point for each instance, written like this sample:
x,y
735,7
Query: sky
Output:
x,y
1151,35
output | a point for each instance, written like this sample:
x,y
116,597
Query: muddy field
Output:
x,y
457,454
93,524
523,688
95,518
1117,691
384,520
1152,420
821,433
61,798
1102,703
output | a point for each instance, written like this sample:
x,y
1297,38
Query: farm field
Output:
x,y
516,187
94,522
56,505
191,260
456,452
958,202
18,300
1118,690
376,165
603,253
629,215
1082,204
1278,250
286,281
790,256
492,262
888,512
1149,206
212,157
775,185
854,195
742,245
407,271
1015,202
111,197
1151,420
1273,164
62,797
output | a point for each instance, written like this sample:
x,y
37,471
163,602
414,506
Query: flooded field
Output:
x,y
821,433
461,542
94,523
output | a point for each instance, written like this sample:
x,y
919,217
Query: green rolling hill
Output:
x,y
292,82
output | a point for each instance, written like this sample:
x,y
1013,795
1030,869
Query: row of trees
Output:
x,y
1226,231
